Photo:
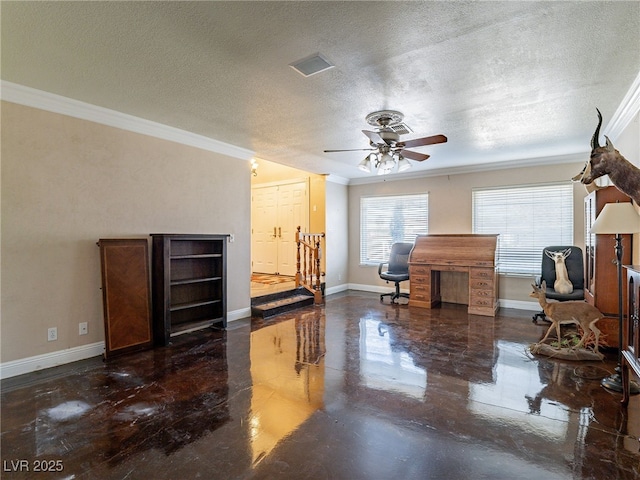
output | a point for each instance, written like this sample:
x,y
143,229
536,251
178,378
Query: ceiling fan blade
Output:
x,y
351,150
374,136
419,142
418,157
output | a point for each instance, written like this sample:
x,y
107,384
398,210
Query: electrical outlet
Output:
x,y
83,328
52,334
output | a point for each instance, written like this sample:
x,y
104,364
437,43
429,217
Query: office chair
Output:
x,y
398,269
575,272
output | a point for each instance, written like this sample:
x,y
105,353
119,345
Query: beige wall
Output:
x,y
67,183
450,211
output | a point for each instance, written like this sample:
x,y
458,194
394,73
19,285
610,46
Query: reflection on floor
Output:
x,y
353,389
263,284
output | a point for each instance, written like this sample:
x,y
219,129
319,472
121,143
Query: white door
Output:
x,y
293,208
276,213
264,248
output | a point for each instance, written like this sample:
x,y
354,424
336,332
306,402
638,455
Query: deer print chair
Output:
x,y
397,269
574,265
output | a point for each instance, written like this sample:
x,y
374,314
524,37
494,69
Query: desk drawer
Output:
x,y
418,297
419,280
418,270
482,273
451,268
418,289
478,284
481,301
482,294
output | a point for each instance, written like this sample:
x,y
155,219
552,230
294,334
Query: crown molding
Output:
x,y
337,179
31,97
626,112
483,167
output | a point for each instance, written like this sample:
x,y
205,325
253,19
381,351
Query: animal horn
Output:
x,y
609,145
594,140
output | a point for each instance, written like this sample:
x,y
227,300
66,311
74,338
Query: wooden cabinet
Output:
x,y
189,283
631,331
474,255
601,277
125,294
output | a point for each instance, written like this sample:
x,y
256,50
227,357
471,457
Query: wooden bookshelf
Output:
x,y
189,283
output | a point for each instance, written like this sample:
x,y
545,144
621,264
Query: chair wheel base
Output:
x,y
541,316
394,297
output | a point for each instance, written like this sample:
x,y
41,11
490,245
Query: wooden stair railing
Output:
x,y
309,277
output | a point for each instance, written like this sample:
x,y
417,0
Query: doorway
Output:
x,y
276,212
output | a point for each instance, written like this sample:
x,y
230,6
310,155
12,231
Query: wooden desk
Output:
x,y
631,331
473,254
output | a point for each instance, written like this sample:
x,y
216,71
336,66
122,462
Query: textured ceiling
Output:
x,y
505,81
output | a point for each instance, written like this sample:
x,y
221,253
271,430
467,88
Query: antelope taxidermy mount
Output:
x,y
564,313
606,160
562,284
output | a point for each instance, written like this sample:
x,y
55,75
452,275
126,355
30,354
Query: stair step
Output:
x,y
281,305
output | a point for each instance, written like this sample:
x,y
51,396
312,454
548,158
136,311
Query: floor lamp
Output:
x,y
618,219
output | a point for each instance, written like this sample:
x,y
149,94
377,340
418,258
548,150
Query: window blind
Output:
x,y
385,220
528,219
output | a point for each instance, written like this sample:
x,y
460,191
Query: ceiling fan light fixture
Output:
x,y
403,164
365,165
386,164
388,150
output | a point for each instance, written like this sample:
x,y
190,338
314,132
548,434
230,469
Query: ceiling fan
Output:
x,y
386,149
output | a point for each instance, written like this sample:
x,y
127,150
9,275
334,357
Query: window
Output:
x,y
389,219
528,218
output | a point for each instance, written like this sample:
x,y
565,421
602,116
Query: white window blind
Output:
x,y
528,219
385,220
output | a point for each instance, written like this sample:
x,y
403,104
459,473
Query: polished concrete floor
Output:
x,y
351,390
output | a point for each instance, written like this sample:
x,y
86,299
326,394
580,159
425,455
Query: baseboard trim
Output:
x,y
48,360
519,304
375,288
238,314
502,302
337,289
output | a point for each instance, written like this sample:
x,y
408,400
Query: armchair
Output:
x,y
398,269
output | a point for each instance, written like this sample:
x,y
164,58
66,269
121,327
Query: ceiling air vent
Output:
x,y
401,128
308,66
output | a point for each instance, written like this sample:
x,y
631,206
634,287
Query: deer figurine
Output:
x,y
606,160
566,313
562,284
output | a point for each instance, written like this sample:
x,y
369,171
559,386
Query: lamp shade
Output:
x,y
617,218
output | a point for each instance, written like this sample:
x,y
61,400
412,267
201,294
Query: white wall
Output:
x,y
628,144
337,236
